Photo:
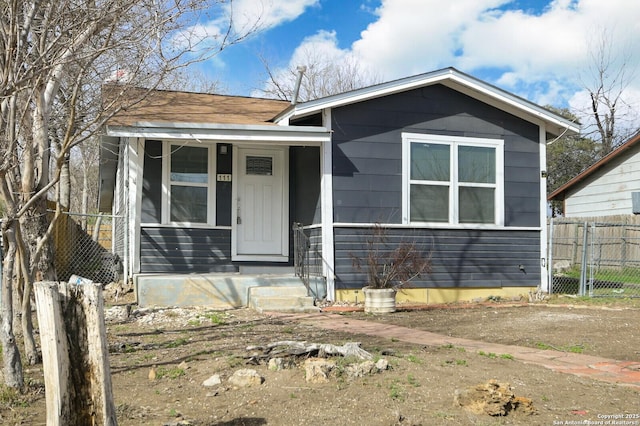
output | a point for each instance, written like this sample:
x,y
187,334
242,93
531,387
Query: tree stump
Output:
x,y
74,354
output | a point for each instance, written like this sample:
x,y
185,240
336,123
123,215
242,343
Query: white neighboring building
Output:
x,y
607,188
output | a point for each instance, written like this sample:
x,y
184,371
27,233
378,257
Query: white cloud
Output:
x,y
323,45
245,16
412,36
316,50
542,55
525,43
268,13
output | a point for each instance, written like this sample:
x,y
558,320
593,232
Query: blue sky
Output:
x,y
240,68
538,49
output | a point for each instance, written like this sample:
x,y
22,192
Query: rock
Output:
x,y
382,364
277,364
360,370
366,368
523,405
183,365
492,398
178,423
120,313
561,265
246,377
318,370
152,374
212,381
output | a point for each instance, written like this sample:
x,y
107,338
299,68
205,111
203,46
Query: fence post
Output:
x,y
74,354
550,257
583,266
623,248
574,250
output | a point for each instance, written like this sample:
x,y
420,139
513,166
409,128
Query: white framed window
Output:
x,y
452,180
189,183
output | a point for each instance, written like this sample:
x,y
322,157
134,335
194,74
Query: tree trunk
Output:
x,y
30,349
64,194
13,376
95,235
73,334
33,225
85,196
23,303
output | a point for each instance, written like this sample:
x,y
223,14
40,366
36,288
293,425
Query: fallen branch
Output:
x,y
299,348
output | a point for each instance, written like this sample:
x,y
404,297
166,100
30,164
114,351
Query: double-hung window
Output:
x,y
453,180
189,183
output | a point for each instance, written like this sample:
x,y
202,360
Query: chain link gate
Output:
x,y
595,259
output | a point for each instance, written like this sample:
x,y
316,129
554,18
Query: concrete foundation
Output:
x,y
217,291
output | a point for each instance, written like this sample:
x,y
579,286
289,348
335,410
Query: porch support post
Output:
x,y
134,199
544,248
326,194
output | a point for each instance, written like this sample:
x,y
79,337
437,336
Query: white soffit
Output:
x,y
223,132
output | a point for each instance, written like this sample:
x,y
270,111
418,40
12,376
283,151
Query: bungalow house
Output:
x,y
609,187
208,188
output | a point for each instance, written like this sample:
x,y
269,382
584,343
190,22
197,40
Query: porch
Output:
x,y
263,288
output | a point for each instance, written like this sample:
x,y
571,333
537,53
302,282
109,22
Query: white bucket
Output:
x,y
379,300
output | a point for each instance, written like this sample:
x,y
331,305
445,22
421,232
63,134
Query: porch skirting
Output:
x,y
215,291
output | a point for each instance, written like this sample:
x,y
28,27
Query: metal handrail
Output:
x,y
307,260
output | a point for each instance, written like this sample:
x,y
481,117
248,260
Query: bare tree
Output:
x,y
54,54
323,76
610,76
195,81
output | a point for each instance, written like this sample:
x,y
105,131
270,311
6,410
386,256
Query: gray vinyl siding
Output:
x,y
199,250
315,240
185,250
367,151
460,258
151,206
313,260
304,184
224,165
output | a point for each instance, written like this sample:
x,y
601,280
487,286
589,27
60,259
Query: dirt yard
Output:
x,y
161,358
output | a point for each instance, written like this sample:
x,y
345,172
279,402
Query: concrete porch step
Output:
x,y
281,299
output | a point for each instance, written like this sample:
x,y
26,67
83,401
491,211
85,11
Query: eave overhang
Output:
x,y
296,135
452,78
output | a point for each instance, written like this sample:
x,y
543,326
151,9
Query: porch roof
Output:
x,y
272,134
138,105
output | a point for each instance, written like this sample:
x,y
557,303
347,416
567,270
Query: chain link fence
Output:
x,y
84,247
595,258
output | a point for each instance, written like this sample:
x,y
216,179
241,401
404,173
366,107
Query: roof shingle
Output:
x,y
189,107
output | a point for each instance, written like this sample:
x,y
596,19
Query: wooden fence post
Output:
x,y
75,360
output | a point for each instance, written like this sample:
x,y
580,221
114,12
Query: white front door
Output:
x,y
261,208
